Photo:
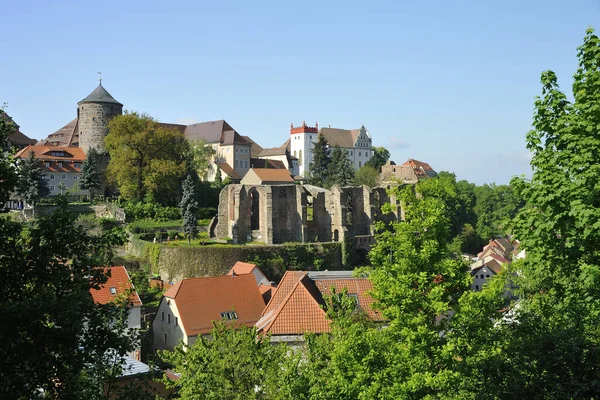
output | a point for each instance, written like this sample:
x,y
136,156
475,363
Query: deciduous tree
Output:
x,y
366,175
147,160
31,185
380,156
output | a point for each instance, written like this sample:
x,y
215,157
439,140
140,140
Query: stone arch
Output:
x,y
254,210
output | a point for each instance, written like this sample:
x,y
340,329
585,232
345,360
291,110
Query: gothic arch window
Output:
x,y
254,210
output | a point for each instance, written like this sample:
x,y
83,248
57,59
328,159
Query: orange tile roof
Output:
x,y
120,282
295,307
201,301
226,168
241,268
44,153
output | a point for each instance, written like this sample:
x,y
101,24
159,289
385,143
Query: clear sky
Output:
x,y
451,83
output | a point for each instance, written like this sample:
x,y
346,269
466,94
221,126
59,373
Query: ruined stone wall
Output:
x,y
286,206
93,123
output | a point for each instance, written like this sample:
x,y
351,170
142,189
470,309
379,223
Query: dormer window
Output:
x,y
113,291
59,164
47,164
229,315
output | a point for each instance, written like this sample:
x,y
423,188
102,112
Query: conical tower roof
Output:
x,y
99,95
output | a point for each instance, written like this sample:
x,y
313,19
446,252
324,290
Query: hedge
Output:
x,y
175,263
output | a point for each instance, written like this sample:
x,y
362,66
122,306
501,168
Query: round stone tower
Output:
x,y
93,114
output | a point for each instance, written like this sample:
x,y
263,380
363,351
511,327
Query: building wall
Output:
x,y
70,179
162,326
93,123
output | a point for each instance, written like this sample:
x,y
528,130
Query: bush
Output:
x,y
206,213
173,234
137,211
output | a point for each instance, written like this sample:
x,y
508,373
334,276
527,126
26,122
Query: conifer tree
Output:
x,y
319,167
31,186
8,178
340,169
189,208
90,177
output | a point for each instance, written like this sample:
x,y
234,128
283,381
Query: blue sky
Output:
x,y
451,83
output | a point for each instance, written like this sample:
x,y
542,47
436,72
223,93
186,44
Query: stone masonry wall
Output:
x,y
93,124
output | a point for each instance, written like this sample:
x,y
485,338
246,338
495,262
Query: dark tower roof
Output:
x,y
99,95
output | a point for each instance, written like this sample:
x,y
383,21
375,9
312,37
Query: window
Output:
x,y
113,291
51,176
176,321
168,318
162,318
77,165
75,177
63,176
487,276
47,164
476,287
236,164
360,154
351,153
52,188
359,164
59,164
165,338
229,315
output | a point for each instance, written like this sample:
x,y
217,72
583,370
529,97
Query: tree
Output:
x,y
319,166
553,350
47,271
202,155
495,206
8,176
341,171
380,156
218,177
366,175
232,364
147,160
189,208
31,186
90,176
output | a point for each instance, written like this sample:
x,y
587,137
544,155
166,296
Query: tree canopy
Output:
x,y
366,175
381,155
318,169
8,176
147,160
341,171
31,185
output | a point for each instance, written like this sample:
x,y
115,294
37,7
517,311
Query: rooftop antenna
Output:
x,y
100,77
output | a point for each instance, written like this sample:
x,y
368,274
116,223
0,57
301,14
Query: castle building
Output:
x,y
355,142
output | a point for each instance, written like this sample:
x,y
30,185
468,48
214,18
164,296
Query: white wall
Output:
x,y
162,325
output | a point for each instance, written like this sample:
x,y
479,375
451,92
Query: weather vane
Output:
x,y
100,77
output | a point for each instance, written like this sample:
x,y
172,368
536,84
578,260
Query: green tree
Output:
x,y
318,169
202,156
47,273
31,185
232,364
341,171
8,176
189,208
147,160
90,176
218,177
495,207
380,156
366,175
552,352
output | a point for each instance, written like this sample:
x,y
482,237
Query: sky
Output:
x,y
451,83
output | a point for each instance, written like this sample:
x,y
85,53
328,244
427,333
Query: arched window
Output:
x,y
300,158
255,211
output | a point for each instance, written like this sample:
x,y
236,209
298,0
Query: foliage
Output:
x,y
559,229
46,280
319,166
90,176
202,155
31,185
366,175
189,209
495,207
231,364
135,211
341,171
147,160
380,156
8,176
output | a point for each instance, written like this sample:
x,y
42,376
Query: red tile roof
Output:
x,y
45,153
119,282
241,268
295,307
230,172
268,175
201,301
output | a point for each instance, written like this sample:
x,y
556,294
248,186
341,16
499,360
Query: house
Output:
x,y
490,261
356,143
296,307
119,284
16,138
60,165
282,154
267,176
265,286
190,307
412,171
